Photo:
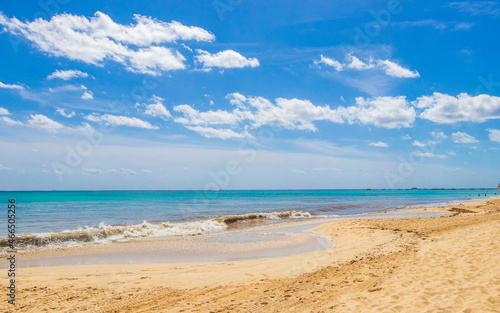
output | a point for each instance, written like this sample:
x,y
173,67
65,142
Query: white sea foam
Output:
x,y
106,233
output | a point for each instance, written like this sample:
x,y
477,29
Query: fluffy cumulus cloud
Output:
x,y
298,114
386,112
96,39
194,117
225,59
156,108
354,63
494,134
287,113
255,112
67,75
460,137
116,120
42,122
10,86
4,111
379,144
140,47
445,109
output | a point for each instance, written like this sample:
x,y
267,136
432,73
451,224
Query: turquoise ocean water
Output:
x,y
55,211
48,217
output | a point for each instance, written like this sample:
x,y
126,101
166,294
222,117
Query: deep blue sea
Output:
x,y
57,211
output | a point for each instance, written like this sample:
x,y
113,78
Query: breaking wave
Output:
x,y
106,233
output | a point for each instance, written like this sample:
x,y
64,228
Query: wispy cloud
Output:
x,y
63,113
477,7
435,24
379,144
223,133
10,86
431,155
67,75
352,62
115,120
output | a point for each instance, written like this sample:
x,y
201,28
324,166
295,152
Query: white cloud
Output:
x,y
417,143
330,62
8,86
127,171
438,135
224,59
115,120
210,132
387,112
477,7
42,122
156,108
396,70
354,63
63,113
93,171
379,144
445,109
87,94
10,122
4,168
4,111
452,153
195,117
96,39
147,172
287,113
431,155
406,137
66,75
436,24
494,134
460,137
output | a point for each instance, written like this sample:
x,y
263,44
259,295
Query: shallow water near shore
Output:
x,y
249,243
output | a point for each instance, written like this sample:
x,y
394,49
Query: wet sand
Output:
x,y
445,264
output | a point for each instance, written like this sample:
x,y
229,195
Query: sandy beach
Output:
x,y
445,264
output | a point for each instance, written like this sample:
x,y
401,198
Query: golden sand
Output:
x,y
447,264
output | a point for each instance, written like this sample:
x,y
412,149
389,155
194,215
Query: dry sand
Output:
x,y
447,264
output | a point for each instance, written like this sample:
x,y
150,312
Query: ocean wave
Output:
x,y
263,216
107,233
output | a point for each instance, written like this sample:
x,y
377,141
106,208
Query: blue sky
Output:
x,y
249,95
